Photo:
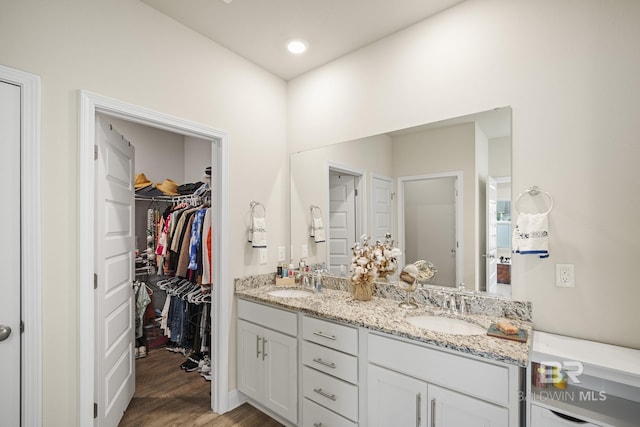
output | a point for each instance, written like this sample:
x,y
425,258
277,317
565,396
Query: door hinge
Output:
x,y
95,152
356,192
95,281
95,410
21,327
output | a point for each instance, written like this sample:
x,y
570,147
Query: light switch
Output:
x,y
263,255
305,251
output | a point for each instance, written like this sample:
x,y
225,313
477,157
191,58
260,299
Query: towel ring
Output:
x,y
253,205
534,191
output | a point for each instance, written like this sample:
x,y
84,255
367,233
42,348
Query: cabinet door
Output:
x,y
452,409
280,356
250,365
395,399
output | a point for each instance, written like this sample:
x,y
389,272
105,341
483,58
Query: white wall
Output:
x,y
567,69
126,50
159,154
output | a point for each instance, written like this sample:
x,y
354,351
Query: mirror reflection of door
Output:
x,y
491,252
381,207
343,214
429,210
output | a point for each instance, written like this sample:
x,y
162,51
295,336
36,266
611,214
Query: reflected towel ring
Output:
x,y
534,191
313,209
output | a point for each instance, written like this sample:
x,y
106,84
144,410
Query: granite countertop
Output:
x,y
384,315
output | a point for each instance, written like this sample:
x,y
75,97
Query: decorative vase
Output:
x,y
362,290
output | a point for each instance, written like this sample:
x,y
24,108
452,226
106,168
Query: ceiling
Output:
x,y
259,29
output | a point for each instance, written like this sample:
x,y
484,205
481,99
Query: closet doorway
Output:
x,y
92,105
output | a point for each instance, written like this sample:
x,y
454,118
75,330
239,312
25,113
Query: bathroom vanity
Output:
x,y
323,359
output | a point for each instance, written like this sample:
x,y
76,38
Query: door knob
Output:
x,y
5,331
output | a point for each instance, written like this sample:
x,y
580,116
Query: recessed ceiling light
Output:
x,y
297,46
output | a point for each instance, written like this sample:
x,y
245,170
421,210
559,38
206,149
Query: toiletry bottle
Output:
x,y
290,270
279,273
285,273
318,284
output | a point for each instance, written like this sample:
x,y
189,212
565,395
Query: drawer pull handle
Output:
x,y
320,334
322,362
317,424
568,418
418,409
325,394
257,347
433,412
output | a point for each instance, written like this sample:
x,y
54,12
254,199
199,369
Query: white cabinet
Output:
x,y
395,399
422,386
268,359
398,399
448,408
542,417
602,387
330,373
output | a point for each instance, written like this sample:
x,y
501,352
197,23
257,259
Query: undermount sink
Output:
x,y
290,293
447,325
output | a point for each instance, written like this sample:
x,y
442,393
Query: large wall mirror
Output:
x,y
442,190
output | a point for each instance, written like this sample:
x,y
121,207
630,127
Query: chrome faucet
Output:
x,y
452,305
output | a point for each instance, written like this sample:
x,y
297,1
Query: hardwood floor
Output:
x,y
168,396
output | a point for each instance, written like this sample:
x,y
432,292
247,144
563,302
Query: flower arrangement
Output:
x,y
371,261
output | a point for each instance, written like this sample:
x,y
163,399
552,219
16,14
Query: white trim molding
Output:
x,y
91,104
31,255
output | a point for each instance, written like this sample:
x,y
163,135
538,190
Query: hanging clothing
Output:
x,y
142,301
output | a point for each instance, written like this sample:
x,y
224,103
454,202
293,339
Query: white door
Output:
x,y
114,301
381,207
429,215
395,399
342,219
10,255
491,253
450,409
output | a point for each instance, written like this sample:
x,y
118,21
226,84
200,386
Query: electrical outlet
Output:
x,y
282,255
263,255
304,251
564,276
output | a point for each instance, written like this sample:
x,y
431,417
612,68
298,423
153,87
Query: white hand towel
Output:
x,y
259,232
531,235
318,230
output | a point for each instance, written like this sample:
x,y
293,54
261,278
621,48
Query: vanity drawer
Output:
x,y
477,378
339,337
330,392
269,317
314,415
543,417
341,365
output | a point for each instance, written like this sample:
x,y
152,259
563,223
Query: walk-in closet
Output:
x,y
174,262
